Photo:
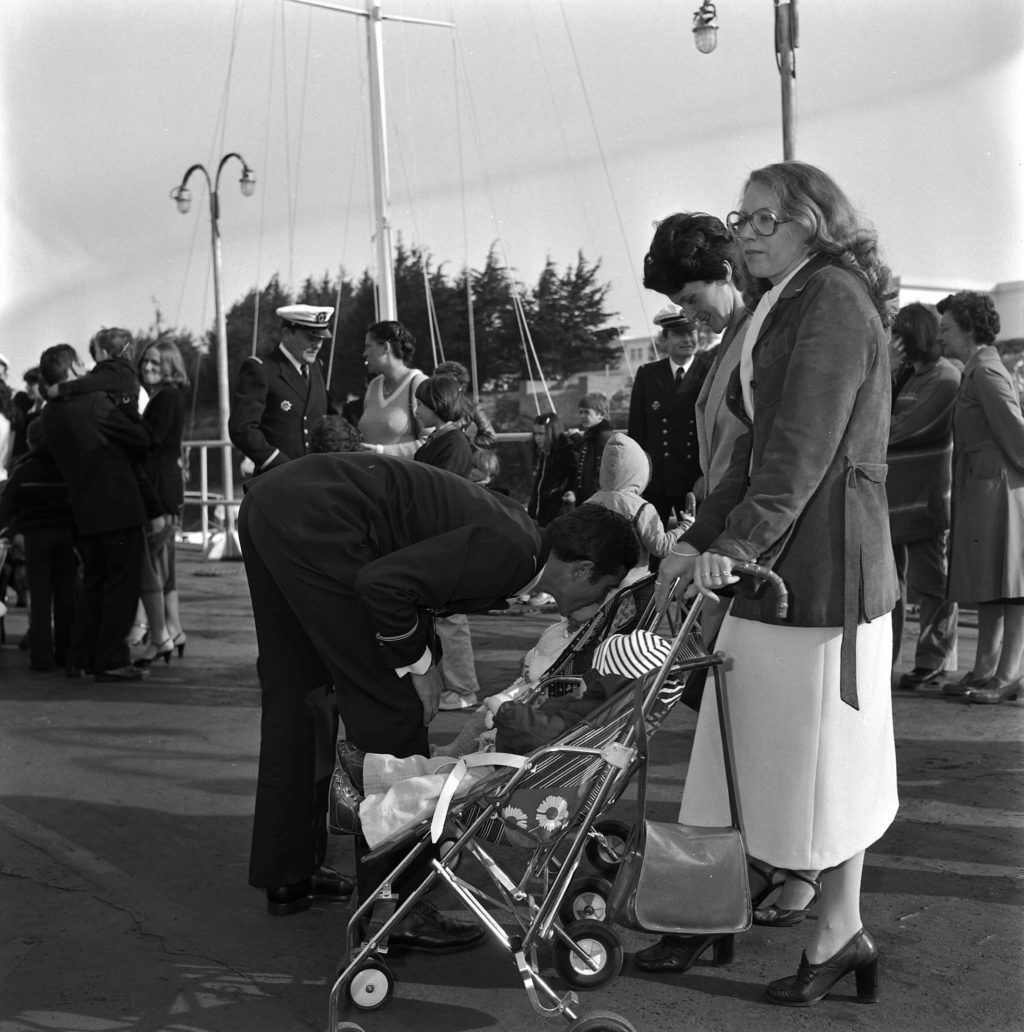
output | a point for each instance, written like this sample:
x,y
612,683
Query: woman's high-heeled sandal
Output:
x,y
773,916
154,652
763,880
179,641
138,635
813,982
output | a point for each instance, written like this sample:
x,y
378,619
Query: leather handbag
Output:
x,y
677,878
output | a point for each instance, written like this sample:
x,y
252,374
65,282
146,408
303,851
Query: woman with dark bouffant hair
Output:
x,y
554,467
986,561
809,700
692,261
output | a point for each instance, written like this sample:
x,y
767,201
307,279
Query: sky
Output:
x,y
539,127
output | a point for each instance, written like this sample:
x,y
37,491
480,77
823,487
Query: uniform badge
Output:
x,y
655,405
286,406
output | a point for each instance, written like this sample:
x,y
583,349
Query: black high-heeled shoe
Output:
x,y
813,982
678,953
179,641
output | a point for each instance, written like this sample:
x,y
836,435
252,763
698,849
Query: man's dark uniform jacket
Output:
x,y
663,423
275,408
348,556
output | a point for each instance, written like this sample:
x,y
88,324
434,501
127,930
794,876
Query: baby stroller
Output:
x,y
550,807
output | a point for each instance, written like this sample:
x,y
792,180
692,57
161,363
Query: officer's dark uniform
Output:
x,y
347,555
663,423
275,408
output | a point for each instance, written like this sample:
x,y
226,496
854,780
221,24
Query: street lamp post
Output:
x,y
705,38
183,198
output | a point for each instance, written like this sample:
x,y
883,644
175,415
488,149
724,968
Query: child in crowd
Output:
x,y
625,473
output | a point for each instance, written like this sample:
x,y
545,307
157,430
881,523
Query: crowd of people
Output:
x,y
871,456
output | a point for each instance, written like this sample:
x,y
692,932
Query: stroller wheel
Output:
x,y
371,986
603,955
601,1021
586,899
606,853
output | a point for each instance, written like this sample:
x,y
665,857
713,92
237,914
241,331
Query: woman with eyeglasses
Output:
x,y
809,702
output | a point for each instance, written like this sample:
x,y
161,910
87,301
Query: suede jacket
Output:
x,y
804,492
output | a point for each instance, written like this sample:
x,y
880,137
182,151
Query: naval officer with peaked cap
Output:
x,y
279,398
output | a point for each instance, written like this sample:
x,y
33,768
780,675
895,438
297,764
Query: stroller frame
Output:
x,y
603,759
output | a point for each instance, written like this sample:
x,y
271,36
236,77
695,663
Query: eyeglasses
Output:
x,y
763,221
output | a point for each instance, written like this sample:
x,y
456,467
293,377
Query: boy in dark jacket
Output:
x,y
35,504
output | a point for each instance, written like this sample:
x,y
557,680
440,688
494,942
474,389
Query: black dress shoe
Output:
x,y
330,883
289,899
675,954
119,675
813,982
426,928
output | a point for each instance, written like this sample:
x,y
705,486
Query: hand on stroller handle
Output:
x,y
683,576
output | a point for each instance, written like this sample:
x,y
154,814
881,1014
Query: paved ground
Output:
x,y
124,823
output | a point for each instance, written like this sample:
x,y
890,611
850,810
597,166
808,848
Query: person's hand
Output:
x,y
156,524
492,704
569,496
712,572
428,687
674,567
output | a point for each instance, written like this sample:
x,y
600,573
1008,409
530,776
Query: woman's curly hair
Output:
x,y
688,247
812,198
974,313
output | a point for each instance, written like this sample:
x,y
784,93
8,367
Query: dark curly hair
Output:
x,y
812,198
597,534
974,313
334,434
401,342
917,326
688,247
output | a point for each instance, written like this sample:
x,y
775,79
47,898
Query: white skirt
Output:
x,y
816,779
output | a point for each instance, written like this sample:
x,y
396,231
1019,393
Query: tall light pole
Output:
x,y
183,198
705,38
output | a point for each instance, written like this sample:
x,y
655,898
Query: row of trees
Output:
x,y
565,312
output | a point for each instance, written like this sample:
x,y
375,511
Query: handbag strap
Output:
x,y
641,741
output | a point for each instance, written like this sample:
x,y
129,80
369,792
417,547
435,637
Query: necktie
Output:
x,y
680,373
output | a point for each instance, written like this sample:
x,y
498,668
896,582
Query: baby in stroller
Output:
x,y
378,795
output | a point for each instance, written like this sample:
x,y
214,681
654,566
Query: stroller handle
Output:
x,y
772,579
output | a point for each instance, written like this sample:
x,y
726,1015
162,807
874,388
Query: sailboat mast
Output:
x,y
386,304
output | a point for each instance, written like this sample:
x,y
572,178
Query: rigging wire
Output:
x,y
604,161
287,148
264,193
294,209
488,189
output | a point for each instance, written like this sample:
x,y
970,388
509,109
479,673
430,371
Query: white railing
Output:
x,y
220,539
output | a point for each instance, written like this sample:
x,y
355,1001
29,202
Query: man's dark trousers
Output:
x,y
112,581
50,566
311,633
